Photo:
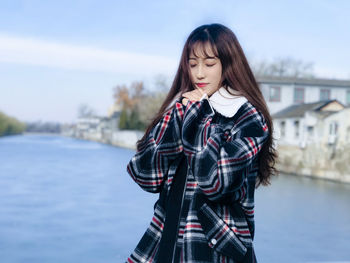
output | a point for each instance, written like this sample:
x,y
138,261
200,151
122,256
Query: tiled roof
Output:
x,y
298,110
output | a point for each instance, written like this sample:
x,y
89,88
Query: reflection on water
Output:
x,y
306,219
68,200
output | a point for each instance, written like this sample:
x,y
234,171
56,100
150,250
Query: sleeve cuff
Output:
x,y
208,109
204,100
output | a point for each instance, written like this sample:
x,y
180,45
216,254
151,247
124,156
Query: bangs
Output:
x,y
204,43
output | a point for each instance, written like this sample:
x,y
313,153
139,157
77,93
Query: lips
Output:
x,y
201,85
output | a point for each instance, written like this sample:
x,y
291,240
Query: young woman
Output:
x,y
207,149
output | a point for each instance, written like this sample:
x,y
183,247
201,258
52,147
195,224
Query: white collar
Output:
x,y
225,103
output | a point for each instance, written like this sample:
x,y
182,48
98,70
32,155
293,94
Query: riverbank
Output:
x,y
120,138
310,162
315,162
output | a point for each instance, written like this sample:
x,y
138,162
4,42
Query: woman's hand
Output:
x,y
193,95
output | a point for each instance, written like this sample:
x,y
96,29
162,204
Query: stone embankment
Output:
x,y
312,160
315,161
120,138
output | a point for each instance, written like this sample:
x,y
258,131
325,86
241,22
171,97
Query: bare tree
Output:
x,y
129,97
85,110
138,105
150,106
284,67
161,83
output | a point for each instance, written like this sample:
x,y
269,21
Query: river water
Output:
x,y
68,200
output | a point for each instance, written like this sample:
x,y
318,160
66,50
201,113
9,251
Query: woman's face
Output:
x,y
205,70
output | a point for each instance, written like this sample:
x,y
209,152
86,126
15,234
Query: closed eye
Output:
x,y
208,65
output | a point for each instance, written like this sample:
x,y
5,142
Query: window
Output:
x,y
325,94
298,95
283,128
296,126
310,131
348,134
348,97
275,93
333,132
333,128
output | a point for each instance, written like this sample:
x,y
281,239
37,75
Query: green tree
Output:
x,y
134,119
3,123
123,121
10,125
138,105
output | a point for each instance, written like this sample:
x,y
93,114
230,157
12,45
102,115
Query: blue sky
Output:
x,y
56,55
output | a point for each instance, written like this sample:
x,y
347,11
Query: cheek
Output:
x,y
218,75
191,75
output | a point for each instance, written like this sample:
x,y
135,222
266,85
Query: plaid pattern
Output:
x,y
217,219
150,165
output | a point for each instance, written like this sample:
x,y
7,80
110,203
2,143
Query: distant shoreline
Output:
x,y
129,147
41,133
313,177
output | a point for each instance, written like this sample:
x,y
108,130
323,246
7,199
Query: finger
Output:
x,y
201,91
199,94
188,95
192,95
185,94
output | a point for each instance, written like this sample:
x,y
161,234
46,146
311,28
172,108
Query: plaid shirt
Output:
x,y
217,216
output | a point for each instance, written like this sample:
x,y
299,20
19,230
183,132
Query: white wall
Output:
x,y
287,95
339,94
311,94
320,134
343,119
290,137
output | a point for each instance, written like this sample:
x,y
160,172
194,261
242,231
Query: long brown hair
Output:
x,y
236,74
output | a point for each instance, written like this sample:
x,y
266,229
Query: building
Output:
x,y
308,123
301,124
313,139
282,92
88,127
97,128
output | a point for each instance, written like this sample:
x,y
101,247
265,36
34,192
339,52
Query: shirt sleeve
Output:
x,y
220,161
149,166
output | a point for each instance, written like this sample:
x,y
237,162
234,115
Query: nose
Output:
x,y
200,71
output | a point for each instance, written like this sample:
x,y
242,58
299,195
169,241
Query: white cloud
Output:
x,y
44,53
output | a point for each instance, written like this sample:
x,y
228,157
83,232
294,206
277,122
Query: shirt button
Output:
x,y
213,241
